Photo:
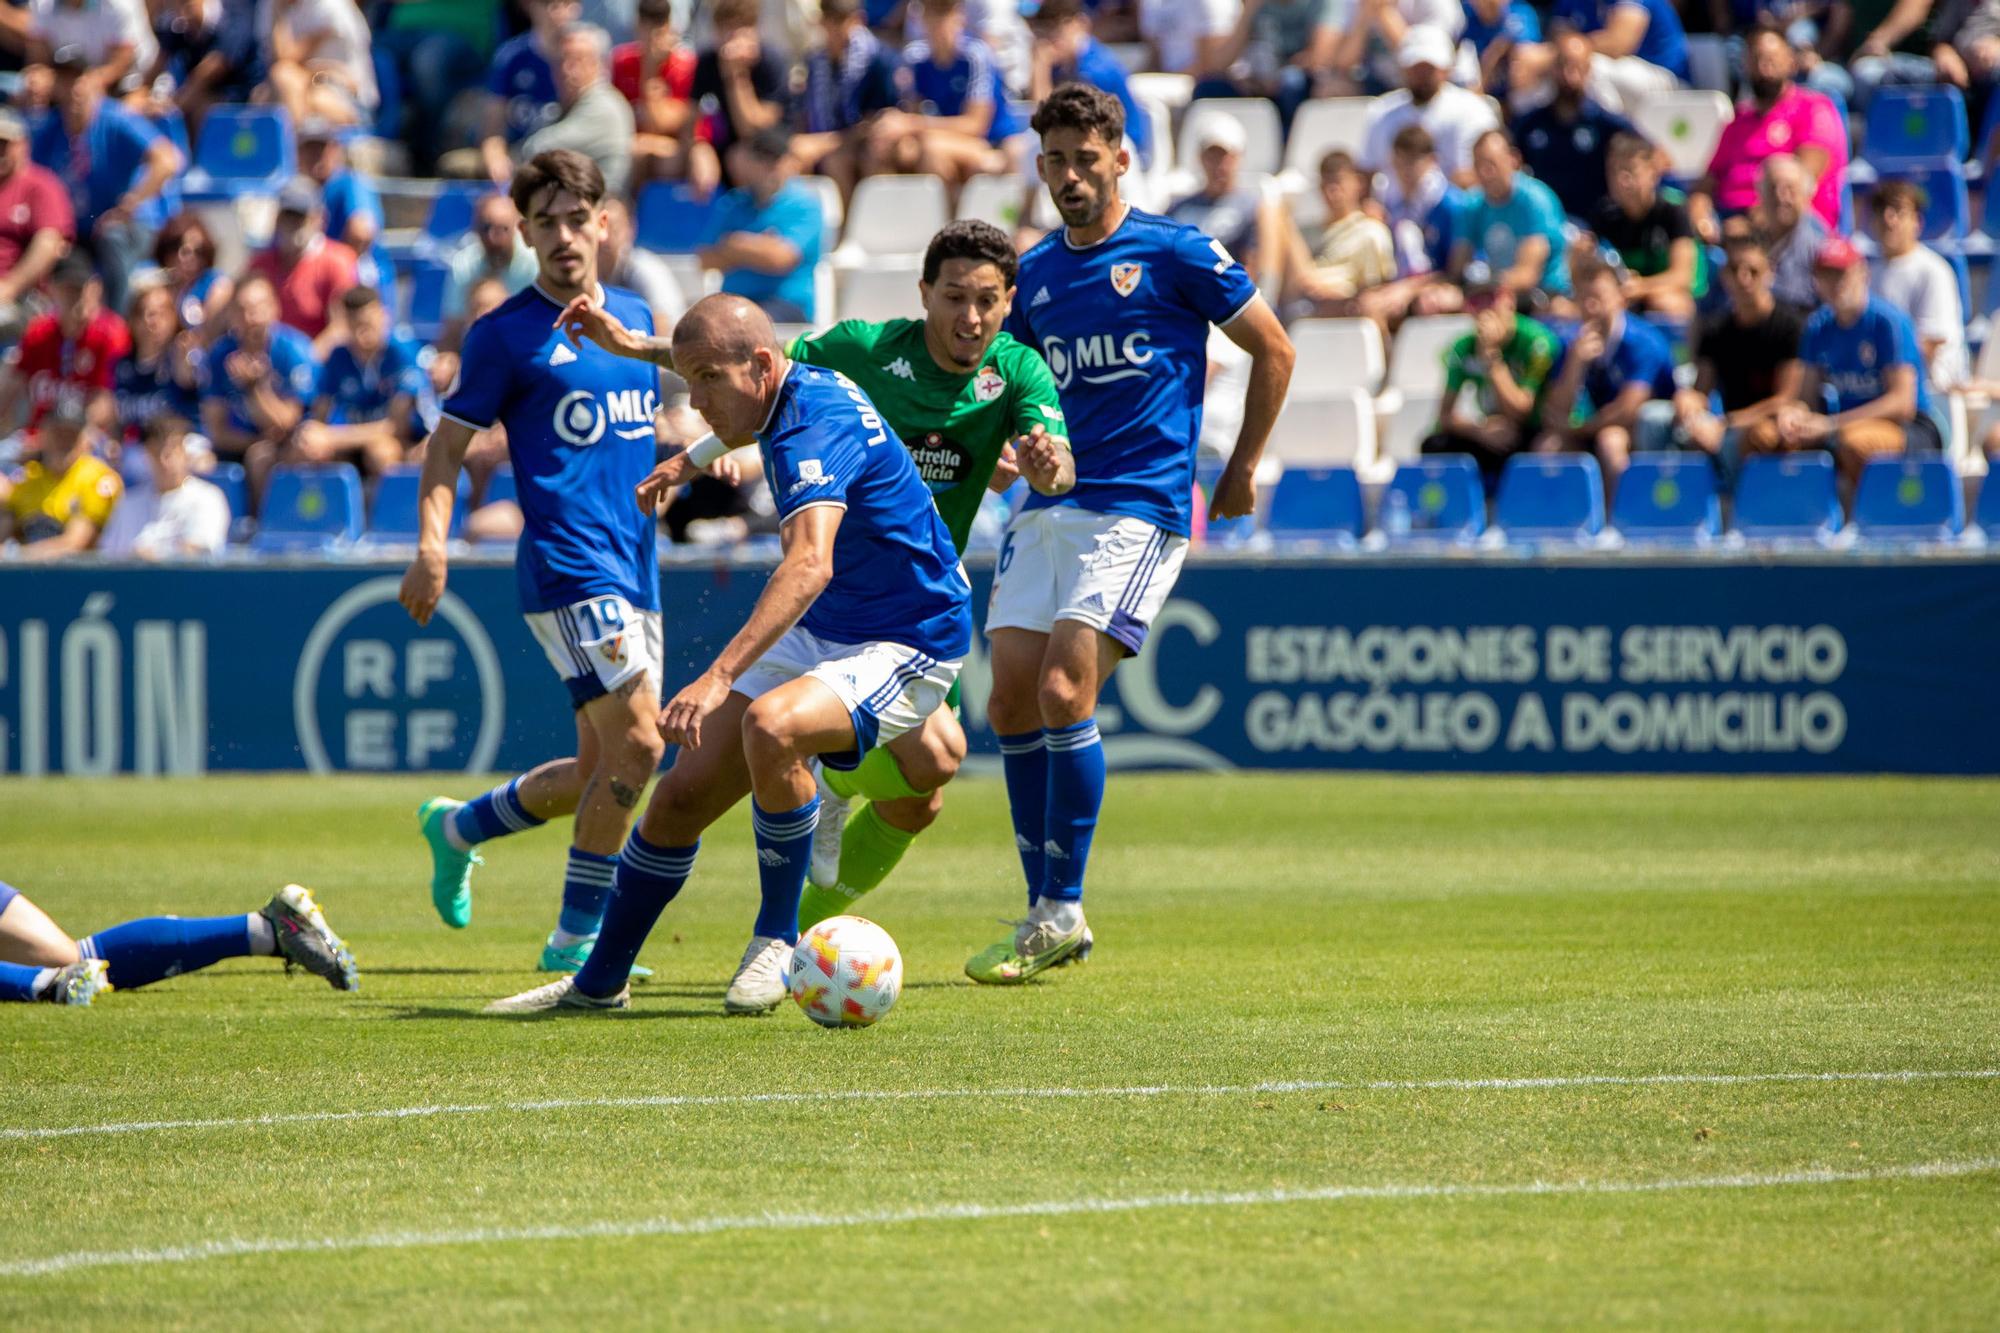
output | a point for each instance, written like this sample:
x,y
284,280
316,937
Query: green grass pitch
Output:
x,y
1419,935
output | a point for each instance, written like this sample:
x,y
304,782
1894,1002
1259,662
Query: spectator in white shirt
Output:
x,y
116,36
1918,281
1373,33
1455,117
321,59
1189,36
179,516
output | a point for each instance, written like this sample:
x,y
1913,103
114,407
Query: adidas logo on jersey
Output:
x,y
562,356
1041,298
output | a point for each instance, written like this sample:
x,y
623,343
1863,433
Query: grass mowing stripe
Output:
x,y
965,1212
1001,1094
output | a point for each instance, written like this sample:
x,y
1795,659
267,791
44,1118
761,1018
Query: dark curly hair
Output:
x,y
1078,106
981,242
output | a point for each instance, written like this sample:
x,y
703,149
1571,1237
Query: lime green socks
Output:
x,y
869,850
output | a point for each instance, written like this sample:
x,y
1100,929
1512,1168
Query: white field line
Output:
x,y
994,1094
233,1247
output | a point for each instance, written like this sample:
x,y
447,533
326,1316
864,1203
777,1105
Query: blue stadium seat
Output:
x,y
1435,499
1550,498
672,218
1669,500
1317,504
1787,497
235,487
1913,498
243,150
423,309
450,218
1920,124
1947,205
1987,516
500,486
310,509
393,518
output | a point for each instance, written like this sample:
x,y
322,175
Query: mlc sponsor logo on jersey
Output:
x,y
580,419
1098,358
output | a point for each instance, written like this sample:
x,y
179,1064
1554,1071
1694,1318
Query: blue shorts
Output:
x,y
8,893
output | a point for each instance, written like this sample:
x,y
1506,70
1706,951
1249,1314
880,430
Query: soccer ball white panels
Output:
x,y
846,972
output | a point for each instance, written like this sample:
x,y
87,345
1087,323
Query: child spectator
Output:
x,y
157,377
1649,229
179,516
1915,279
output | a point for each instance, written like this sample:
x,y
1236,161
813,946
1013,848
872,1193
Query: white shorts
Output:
x,y
887,689
599,644
1063,563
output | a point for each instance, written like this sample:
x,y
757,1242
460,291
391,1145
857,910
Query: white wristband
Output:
x,y
705,451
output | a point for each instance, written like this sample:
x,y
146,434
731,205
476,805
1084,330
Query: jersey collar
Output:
x,y
784,386
543,292
1107,235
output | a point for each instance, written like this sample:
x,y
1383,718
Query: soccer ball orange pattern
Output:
x,y
846,972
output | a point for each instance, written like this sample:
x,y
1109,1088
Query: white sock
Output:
x,y
263,939
562,939
45,980
1062,915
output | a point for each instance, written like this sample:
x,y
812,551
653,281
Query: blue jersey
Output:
x,y
1665,42
970,76
1123,325
1854,360
523,78
362,391
294,373
580,434
896,576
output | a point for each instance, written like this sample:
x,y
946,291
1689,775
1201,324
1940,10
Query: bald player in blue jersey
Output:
x,y
579,425
855,641
1119,303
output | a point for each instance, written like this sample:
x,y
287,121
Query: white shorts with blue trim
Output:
x,y
599,644
888,689
1109,571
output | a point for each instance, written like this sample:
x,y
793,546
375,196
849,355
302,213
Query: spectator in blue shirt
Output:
x,y
118,168
256,382
352,208
1618,371
955,87
1514,224
521,89
1065,52
1566,143
367,406
1640,49
854,85
1861,358
1496,28
764,235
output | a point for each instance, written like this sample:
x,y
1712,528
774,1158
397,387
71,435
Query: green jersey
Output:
x,y
1530,355
955,426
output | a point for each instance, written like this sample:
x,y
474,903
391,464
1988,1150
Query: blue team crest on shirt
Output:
x,y
1125,278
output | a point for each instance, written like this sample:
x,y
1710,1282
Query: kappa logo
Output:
x,y
562,356
771,856
900,368
1125,278
1041,298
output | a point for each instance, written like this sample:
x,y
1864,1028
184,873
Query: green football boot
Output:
x,y
1042,941
570,958
451,869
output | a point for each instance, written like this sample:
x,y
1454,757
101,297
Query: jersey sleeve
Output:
x,y
842,347
476,399
99,497
812,464
1034,391
1209,277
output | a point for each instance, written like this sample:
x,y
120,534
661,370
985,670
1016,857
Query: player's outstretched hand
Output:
x,y
585,318
681,719
1006,471
423,585
1235,494
661,483
1040,459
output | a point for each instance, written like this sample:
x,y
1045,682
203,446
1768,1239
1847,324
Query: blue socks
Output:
x,y
586,888
1025,760
17,981
494,815
646,880
158,947
1076,792
784,853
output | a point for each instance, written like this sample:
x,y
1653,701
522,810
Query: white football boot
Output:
x,y
759,984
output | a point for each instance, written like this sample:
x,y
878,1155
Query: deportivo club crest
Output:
x,y
1125,277
988,386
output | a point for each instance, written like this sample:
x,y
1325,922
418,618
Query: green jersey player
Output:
x,y
975,408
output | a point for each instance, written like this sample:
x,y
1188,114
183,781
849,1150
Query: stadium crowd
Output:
x,y
1512,228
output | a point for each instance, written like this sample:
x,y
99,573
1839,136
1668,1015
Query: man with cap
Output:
x,y
37,225
764,235
65,496
1223,207
117,166
308,270
1455,117
69,354
1861,354
1494,380
352,208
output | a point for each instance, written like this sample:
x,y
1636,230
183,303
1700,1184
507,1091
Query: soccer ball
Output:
x,y
846,972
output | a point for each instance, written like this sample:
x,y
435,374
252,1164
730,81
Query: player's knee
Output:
x,y
933,763
640,748
913,814
1065,700
768,734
